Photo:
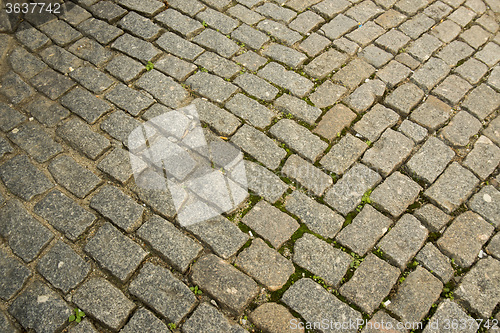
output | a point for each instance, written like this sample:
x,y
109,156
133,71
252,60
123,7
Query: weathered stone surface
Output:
x,y
493,130
461,128
156,287
250,110
343,154
317,217
465,237
486,204
307,175
452,188
404,98
222,236
324,64
493,247
395,194
14,275
211,86
92,79
364,96
51,83
403,241
48,312
347,193
374,325
432,114
314,303
32,138
9,118
231,288
80,136
371,283
298,108
145,321
124,68
115,252
13,87
115,205
208,318
436,262
129,99
274,318
355,72
449,311
312,253
388,152
432,217
289,80
175,247
163,88
452,89
23,179
63,267
416,295
478,289
222,121
90,50
334,121
265,265
375,122
272,224
86,105
327,94
99,299
298,138
484,158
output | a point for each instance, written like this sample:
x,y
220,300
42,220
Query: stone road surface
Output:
x,y
371,131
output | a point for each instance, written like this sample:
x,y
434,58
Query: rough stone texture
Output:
x,y
14,273
404,98
343,154
298,108
317,217
493,130
484,158
312,253
265,265
486,204
250,110
35,141
145,321
115,252
465,237
84,104
403,241
175,247
436,262
307,175
295,83
460,129
156,287
263,182
314,303
347,193
163,88
389,152
231,288
208,319
371,283
452,188
416,295
334,121
493,247
395,194
450,311
478,289
432,217
99,299
432,114
273,317
327,94
375,122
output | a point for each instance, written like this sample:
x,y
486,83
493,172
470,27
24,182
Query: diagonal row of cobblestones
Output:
x,y
371,136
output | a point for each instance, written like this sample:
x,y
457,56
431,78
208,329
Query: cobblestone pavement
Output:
x,y
371,133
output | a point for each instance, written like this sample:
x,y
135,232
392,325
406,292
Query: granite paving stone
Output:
x,y
338,26
430,160
250,60
163,88
493,247
82,138
265,265
395,194
46,111
178,46
452,188
430,74
5,147
389,152
334,121
231,288
91,79
314,44
343,154
73,14
452,89
139,26
222,121
365,230
403,241
276,12
91,51
446,31
35,141
220,234
392,41
14,88
365,96
312,253
216,42
484,158
307,175
371,283
485,203
44,303
298,108
182,24
355,72
177,249
218,21
416,26
250,110
101,31
298,138
25,63
14,273
159,200
272,224
115,252
475,36
260,146
404,98
416,295
306,21
218,65
314,303
493,130
60,32
327,94
346,45
60,59
432,217
124,68
436,262
330,8
494,78
63,267
472,70
423,48
432,114
273,317
449,311
366,33
375,56
64,214
245,15
72,176
145,321
264,182
119,125
256,86
117,165
208,318
478,289
129,99
346,194
24,179
101,300
249,36
9,117
288,80
136,48
284,54
412,130
175,67
147,7
482,101
465,237
84,104
279,31
325,64
211,87
31,37
5,324
107,10
374,324
461,129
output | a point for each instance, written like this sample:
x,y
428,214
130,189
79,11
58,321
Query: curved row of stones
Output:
x,y
371,133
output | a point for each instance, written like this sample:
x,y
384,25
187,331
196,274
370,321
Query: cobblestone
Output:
x,y
484,158
35,141
461,129
250,110
72,176
325,63
448,310
432,217
485,203
179,47
84,104
14,273
145,320
307,175
163,88
124,68
395,194
263,182
334,121
101,31
218,65
327,94
343,154
216,42
80,136
92,79
436,262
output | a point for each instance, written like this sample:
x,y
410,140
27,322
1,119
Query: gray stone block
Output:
x,y
365,95
270,223
136,48
245,15
449,311
416,26
182,24
371,283
124,68
250,110
145,321
37,143
279,31
257,87
129,99
25,63
206,317
175,67
119,125
216,42
147,7
91,79
493,247
52,84
472,70
338,26
9,117
219,119
218,65
101,31
432,217
82,138
264,182
334,121
307,175
404,98
284,54
85,104
484,158
163,88
403,241
63,267
436,262
395,194
355,72
14,274
465,237
486,203
273,317
99,299
211,87
482,101
251,60
325,64
298,108
327,94
306,21
452,89
314,44
432,114
13,87
178,46
90,50
288,80
317,217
